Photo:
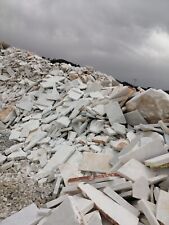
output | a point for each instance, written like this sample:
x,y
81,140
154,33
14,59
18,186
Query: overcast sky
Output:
x,y
128,39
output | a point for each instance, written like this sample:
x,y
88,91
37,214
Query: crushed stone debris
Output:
x,y
76,142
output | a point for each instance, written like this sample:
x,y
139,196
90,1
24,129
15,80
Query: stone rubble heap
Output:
x,y
104,145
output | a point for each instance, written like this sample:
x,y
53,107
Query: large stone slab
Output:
x,y
65,214
141,189
96,162
27,216
113,211
114,113
162,211
145,151
152,104
134,170
121,201
135,118
6,114
60,157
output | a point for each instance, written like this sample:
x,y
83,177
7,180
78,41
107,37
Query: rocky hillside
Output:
x,y
78,147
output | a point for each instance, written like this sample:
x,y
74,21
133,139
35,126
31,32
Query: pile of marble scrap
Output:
x,y
104,145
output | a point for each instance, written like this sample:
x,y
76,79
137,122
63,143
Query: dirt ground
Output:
x,y
17,189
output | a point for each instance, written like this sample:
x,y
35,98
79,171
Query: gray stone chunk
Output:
x,y
27,216
113,211
25,103
117,198
114,113
61,156
162,211
2,159
144,206
95,162
134,118
129,169
141,189
65,214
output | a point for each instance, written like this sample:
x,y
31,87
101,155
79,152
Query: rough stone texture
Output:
x,y
152,104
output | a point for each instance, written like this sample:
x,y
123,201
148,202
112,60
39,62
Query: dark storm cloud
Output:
x,y
128,39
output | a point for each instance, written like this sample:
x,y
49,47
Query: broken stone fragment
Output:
x,y
146,209
18,155
25,103
134,118
96,162
48,82
152,104
96,94
95,148
63,121
6,114
73,75
129,169
44,101
141,189
119,144
144,149
93,218
100,139
15,135
27,216
161,161
83,205
162,211
61,156
4,77
99,109
114,113
13,148
96,126
65,214
35,137
57,185
75,93
119,128
2,159
69,170
29,126
121,201
109,131
10,72
108,207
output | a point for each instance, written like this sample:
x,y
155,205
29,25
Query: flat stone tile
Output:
x,y
64,214
121,201
114,113
108,207
96,162
129,169
27,216
141,189
162,210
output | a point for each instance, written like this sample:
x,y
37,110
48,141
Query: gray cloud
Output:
x,y
128,39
